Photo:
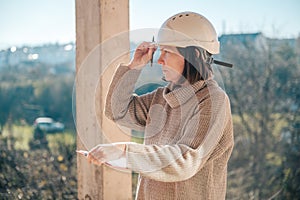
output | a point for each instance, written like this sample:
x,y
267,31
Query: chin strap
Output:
x,y
225,64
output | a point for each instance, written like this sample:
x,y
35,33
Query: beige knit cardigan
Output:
x,y
188,137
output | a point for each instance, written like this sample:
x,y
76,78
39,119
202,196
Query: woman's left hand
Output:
x,y
106,152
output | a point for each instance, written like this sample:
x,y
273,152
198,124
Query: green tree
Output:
x,y
6,99
54,96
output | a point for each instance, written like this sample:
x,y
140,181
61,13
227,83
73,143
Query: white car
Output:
x,y
48,125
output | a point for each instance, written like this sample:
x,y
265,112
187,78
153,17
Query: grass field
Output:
x,y
33,170
23,134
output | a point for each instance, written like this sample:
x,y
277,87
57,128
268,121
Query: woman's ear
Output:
x,y
197,52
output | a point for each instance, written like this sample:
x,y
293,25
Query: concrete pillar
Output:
x,y
97,21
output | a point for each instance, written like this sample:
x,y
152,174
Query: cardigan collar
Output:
x,y
177,95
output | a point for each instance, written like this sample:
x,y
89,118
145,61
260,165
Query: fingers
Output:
x,y
104,152
150,48
96,155
90,157
143,54
144,46
82,152
145,51
93,160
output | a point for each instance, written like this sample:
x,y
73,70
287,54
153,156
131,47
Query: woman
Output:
x,y
188,126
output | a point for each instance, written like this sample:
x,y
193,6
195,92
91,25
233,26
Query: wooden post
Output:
x,y
97,21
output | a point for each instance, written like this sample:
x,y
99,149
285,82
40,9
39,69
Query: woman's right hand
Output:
x,y
142,55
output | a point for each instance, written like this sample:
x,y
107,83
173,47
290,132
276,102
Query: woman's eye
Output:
x,y
166,51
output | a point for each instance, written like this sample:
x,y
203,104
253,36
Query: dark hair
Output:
x,y
197,63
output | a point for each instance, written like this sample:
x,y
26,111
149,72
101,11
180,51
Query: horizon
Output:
x,y
33,45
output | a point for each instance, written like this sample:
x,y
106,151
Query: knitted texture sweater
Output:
x,y
188,136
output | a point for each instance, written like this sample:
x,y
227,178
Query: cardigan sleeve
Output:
x,y
180,161
122,105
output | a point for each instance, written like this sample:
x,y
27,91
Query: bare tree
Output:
x,y
260,89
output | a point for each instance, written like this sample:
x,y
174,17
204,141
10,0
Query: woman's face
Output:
x,y
172,63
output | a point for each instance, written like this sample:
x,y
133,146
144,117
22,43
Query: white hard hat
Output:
x,y
189,29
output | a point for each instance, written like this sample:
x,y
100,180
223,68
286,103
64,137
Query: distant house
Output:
x,y
255,40
246,40
60,56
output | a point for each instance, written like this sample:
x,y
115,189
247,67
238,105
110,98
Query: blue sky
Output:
x,y
34,22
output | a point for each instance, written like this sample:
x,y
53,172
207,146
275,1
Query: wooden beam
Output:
x,y
98,21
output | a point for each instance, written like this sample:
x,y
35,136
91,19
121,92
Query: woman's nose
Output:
x,y
160,60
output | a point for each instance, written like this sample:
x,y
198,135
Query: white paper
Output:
x,y
121,163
